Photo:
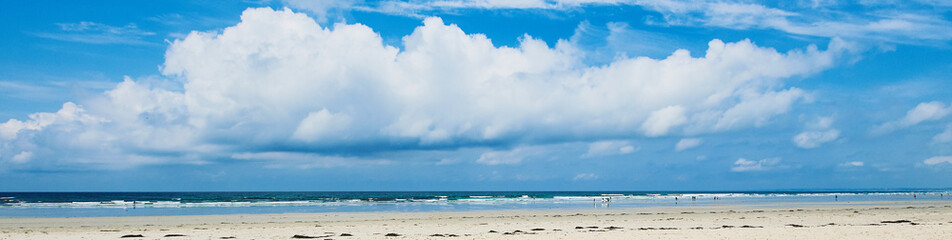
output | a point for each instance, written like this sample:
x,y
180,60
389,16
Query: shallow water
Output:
x,y
91,204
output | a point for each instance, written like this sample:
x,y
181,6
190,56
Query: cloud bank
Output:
x,y
278,82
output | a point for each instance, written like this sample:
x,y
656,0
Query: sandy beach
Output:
x,y
865,220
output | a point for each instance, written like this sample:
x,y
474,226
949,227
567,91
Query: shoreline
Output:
x,y
745,205
846,220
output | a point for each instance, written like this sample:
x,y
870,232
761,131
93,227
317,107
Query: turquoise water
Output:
x,y
96,204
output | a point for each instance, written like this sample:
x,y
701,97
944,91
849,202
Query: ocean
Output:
x,y
102,204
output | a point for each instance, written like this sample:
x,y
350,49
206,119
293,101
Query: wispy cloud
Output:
x,y
448,161
585,177
192,21
853,164
906,23
938,160
813,139
901,24
603,44
50,90
817,132
99,33
28,90
509,157
924,112
306,160
687,143
609,148
323,9
744,165
945,136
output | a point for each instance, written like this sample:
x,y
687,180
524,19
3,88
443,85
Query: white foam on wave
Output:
x,y
478,200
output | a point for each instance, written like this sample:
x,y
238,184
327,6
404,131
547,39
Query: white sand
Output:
x,y
929,220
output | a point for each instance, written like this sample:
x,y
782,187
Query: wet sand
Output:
x,y
831,220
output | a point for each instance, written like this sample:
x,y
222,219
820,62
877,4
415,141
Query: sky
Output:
x,y
470,95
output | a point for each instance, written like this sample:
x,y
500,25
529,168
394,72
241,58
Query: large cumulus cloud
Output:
x,y
279,82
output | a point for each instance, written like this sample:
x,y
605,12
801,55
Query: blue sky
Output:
x,y
475,95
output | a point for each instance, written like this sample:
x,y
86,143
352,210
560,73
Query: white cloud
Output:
x,y
756,110
853,164
945,136
585,176
322,124
491,92
938,160
608,148
662,120
687,143
744,165
818,132
813,139
510,157
70,112
278,78
927,111
22,157
113,131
